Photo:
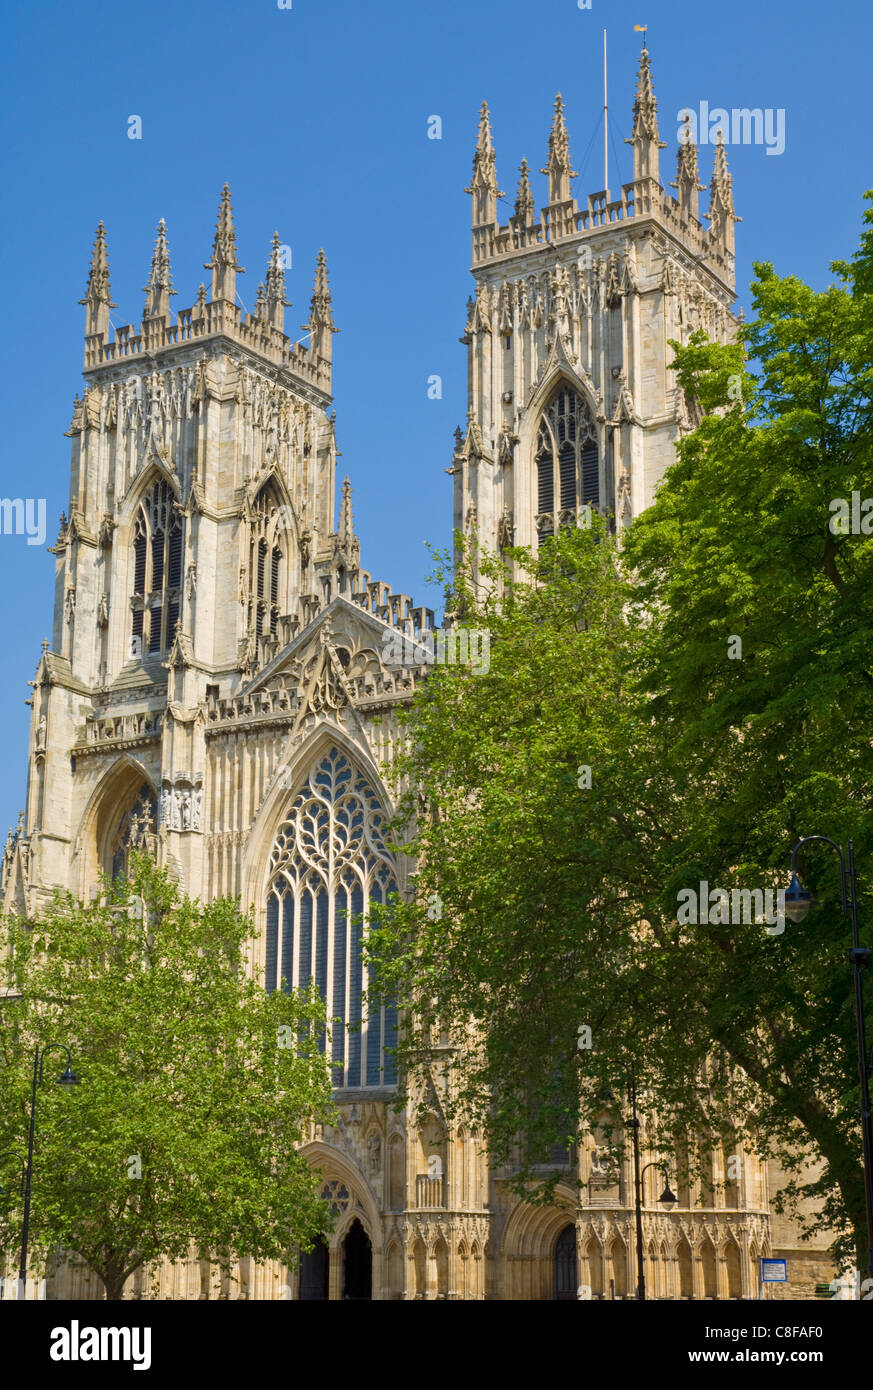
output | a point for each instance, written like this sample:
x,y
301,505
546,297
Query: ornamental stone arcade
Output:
x,y
215,688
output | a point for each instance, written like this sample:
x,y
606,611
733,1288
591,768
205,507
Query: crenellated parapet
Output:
x,y
562,220
209,319
567,333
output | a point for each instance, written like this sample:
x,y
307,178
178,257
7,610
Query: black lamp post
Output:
x,y
667,1198
797,904
67,1078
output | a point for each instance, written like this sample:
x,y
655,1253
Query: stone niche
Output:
x,y
182,802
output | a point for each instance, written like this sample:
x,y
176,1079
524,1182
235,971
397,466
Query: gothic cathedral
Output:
x,y
216,689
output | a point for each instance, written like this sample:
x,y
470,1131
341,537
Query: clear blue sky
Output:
x,y
317,117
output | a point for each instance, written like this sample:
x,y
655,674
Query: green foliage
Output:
x,y
182,1078
542,905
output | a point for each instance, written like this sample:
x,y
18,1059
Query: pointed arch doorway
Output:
x,y
315,1273
357,1266
566,1265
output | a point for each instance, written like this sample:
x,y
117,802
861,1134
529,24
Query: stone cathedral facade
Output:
x,y
216,687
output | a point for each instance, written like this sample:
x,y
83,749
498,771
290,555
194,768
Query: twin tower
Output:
x,y
217,690
201,541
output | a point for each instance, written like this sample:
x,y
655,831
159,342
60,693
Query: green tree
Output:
x,y
197,1087
716,679
744,542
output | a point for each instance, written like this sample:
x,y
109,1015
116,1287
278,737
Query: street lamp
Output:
x,y
667,1197
798,902
67,1078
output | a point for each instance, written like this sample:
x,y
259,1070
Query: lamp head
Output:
x,y
668,1198
69,1078
798,901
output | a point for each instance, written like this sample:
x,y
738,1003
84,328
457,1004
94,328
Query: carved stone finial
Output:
x,y
483,185
346,524
160,286
320,322
276,303
524,199
98,298
224,264
558,166
644,139
721,199
687,180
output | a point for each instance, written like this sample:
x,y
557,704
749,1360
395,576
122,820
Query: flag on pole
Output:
x,y
640,28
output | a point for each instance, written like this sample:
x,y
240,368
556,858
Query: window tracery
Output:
x,y
567,460
135,830
266,563
157,571
329,861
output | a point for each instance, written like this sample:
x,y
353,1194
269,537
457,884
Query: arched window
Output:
x,y
157,571
329,861
267,549
567,460
134,830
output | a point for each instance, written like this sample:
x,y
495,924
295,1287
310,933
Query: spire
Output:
x,y
721,199
160,286
687,180
276,303
320,313
98,298
224,263
346,524
524,200
260,310
645,134
484,182
558,167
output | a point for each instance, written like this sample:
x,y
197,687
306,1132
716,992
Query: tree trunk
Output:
x,y
113,1282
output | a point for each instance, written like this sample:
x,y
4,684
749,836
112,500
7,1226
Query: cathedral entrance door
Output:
x,y
566,1273
357,1263
314,1272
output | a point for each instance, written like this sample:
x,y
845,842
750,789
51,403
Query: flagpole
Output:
x,y
605,119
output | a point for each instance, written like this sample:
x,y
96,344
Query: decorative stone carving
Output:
x,y
374,1153
182,803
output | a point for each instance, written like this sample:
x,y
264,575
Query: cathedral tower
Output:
x,y
218,687
571,400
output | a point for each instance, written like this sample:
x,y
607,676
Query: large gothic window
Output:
x,y
157,566
329,861
568,466
135,829
266,557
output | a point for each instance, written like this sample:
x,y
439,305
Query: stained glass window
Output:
x,y
329,861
